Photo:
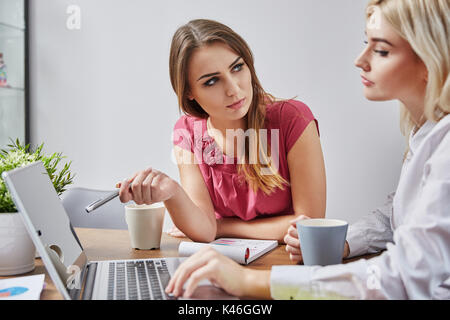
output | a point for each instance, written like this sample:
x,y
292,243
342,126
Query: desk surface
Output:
x,y
106,244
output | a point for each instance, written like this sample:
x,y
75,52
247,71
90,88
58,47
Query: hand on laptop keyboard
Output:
x,y
208,264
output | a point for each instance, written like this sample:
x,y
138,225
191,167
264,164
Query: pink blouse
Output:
x,y
230,197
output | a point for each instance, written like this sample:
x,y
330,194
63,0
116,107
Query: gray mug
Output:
x,y
322,241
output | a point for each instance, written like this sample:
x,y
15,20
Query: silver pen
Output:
x,y
98,203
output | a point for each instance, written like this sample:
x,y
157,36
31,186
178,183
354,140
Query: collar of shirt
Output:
x,y
415,139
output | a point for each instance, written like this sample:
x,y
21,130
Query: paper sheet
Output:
x,y
22,288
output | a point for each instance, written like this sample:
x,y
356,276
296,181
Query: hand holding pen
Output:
x,y
148,186
100,202
145,187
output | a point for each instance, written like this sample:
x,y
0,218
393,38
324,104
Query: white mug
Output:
x,y
145,223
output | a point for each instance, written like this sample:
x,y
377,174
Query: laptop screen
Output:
x,y
47,223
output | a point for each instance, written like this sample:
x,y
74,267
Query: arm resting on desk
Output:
x,y
270,228
372,232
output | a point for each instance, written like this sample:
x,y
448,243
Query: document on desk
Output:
x,y
22,288
243,251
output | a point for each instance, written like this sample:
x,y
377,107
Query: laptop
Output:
x,y
73,274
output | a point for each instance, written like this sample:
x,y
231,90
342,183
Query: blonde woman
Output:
x,y
248,164
407,58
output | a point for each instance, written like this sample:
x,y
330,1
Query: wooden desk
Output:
x,y
106,244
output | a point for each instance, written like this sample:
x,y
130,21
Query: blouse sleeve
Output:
x,y
373,231
294,118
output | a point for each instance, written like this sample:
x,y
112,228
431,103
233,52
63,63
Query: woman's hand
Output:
x,y
148,186
293,243
208,264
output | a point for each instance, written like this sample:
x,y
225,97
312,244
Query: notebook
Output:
x,y
243,251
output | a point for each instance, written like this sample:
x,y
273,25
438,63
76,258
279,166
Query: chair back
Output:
x,y
109,216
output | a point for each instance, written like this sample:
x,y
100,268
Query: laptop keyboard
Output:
x,y
138,280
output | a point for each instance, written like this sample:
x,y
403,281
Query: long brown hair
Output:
x,y
201,32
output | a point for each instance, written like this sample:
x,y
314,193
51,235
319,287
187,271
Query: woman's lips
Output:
x,y
367,82
237,105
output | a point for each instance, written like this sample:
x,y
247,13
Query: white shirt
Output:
x,y
413,225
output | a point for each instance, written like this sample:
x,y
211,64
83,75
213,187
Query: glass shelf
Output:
x,y
10,26
10,91
12,12
12,115
13,104
12,45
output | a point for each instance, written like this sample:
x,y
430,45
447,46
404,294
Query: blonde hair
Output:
x,y
425,25
201,32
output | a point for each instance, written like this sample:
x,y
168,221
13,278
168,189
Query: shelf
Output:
x,y
11,32
8,87
13,100
12,113
10,26
12,45
12,13
11,92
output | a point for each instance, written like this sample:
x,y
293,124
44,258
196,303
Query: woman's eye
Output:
x,y
213,80
210,82
238,67
382,53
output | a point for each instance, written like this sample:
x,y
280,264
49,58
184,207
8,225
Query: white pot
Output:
x,y
17,251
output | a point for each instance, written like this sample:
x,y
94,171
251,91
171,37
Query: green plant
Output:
x,y
19,155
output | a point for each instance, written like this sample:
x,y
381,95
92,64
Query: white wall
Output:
x,y
102,94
